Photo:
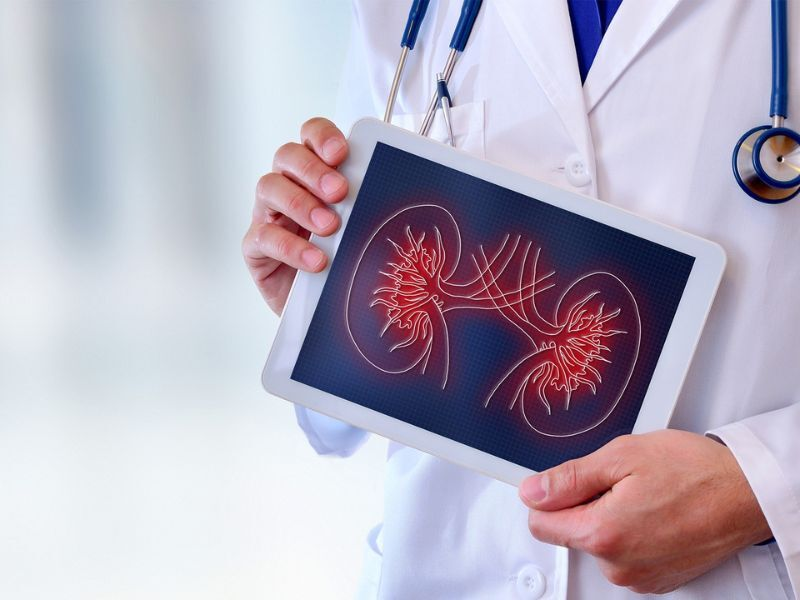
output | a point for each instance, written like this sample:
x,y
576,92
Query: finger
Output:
x,y
277,292
576,481
267,245
307,169
277,194
569,527
325,139
273,278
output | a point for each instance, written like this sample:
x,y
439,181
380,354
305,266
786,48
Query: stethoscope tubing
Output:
x,y
461,35
780,60
416,15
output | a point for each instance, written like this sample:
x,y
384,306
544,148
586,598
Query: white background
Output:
x,y
139,457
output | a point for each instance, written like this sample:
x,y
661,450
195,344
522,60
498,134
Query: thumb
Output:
x,y
575,481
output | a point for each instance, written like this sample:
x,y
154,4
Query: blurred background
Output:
x,y
139,456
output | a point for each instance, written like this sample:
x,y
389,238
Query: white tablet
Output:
x,y
487,318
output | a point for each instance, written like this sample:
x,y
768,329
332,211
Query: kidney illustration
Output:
x,y
582,337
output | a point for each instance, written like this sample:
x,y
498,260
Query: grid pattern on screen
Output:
x,y
571,244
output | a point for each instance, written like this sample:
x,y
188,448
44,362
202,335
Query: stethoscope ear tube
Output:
x,y
415,17
469,12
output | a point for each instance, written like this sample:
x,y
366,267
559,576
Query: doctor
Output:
x,y
673,85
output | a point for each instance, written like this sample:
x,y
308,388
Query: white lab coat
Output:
x,y
673,86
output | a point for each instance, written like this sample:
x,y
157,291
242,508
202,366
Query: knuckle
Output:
x,y
620,576
308,168
295,202
538,530
646,589
603,541
564,478
317,130
285,150
594,544
314,123
266,184
283,247
311,128
622,444
246,239
620,450
256,243
267,239
261,235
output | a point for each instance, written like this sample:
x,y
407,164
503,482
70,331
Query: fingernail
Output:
x,y
331,148
331,183
532,489
322,217
312,257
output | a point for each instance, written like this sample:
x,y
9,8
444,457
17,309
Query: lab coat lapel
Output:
x,y
635,23
542,33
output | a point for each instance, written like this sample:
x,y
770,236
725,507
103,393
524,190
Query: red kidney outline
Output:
x,y
470,298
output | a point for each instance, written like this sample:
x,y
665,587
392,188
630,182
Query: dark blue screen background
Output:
x,y
485,212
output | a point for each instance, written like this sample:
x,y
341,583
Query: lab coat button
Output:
x,y
531,583
576,171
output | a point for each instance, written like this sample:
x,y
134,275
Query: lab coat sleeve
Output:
x,y
355,100
767,447
329,437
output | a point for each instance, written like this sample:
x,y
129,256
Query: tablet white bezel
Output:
x,y
670,370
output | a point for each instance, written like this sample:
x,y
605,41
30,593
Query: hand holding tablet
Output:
x,y
487,318
291,203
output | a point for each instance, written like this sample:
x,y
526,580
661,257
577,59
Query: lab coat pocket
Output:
x,y
370,582
468,126
765,574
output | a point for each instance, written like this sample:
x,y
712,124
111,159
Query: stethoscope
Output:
x,y
441,97
766,159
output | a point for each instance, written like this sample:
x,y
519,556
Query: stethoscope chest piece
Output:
x,y
766,163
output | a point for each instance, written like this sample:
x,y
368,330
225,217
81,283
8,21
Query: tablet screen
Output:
x,y
489,317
